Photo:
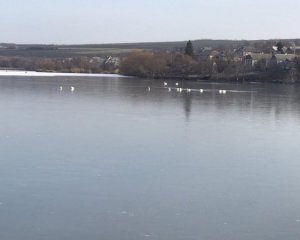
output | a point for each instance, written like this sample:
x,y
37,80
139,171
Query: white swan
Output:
x,y
149,89
220,91
60,88
201,90
188,90
72,89
165,84
224,92
177,84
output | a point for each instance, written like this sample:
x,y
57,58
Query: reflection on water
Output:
x,y
265,98
112,160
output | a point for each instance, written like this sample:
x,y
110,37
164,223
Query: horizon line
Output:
x,y
145,42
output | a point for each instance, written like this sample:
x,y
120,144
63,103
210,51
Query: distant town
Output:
x,y
261,60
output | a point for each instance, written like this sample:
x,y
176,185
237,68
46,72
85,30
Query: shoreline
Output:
x,y
272,77
55,74
249,77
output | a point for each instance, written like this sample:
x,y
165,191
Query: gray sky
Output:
x,y
107,21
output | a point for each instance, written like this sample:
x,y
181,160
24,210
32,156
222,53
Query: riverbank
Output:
x,y
247,77
277,77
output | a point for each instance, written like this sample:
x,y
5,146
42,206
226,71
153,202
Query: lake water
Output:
x,y
114,161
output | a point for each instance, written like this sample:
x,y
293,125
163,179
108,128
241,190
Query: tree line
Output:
x,y
174,64
161,64
72,65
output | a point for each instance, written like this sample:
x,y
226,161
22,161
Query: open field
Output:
x,y
121,49
65,52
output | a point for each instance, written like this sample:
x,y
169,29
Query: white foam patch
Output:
x,y
255,82
238,91
50,74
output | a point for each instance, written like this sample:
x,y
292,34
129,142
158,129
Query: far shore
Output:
x,y
54,74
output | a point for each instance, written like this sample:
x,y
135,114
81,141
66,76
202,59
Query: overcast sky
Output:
x,y
115,21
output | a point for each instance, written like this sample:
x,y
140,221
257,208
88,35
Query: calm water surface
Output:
x,y
113,161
